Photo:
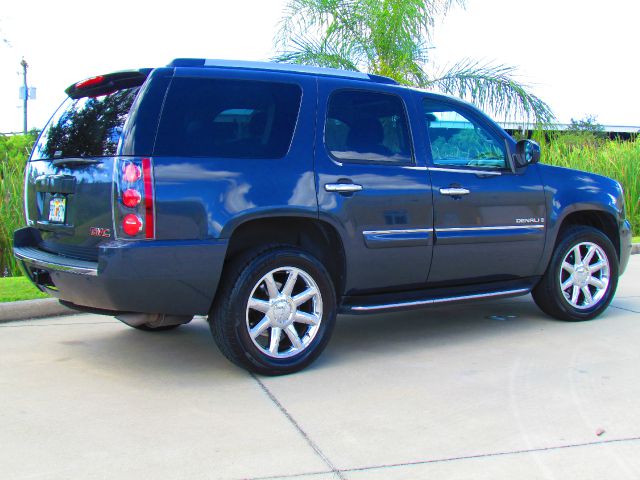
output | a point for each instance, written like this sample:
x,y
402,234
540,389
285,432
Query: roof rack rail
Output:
x,y
280,67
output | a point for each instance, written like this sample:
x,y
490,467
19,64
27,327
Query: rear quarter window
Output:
x,y
228,118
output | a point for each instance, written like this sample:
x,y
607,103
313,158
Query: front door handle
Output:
x,y
454,191
342,187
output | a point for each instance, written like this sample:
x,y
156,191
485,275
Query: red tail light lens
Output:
x,y
134,199
131,198
131,224
148,199
131,172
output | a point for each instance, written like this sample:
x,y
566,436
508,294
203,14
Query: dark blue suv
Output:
x,y
272,197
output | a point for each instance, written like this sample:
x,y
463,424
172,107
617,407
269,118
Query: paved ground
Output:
x,y
444,393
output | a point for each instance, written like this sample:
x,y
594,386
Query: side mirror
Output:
x,y
527,152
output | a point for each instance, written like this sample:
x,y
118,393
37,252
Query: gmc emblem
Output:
x,y
100,232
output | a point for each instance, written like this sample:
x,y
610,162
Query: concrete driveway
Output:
x,y
482,391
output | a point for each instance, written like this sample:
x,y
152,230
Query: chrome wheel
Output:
x,y
584,275
284,312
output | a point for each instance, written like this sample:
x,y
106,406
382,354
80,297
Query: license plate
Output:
x,y
57,208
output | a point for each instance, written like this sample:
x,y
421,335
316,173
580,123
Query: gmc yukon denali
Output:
x,y
272,197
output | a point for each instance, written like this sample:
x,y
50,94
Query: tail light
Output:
x,y
134,202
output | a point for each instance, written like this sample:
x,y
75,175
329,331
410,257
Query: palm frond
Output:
x,y
318,53
493,87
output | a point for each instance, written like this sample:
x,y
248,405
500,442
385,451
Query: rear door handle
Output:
x,y
342,187
454,192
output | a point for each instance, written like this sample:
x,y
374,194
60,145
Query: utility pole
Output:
x,y
26,93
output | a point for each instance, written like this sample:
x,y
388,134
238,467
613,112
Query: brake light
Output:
x,y
134,202
131,224
131,198
90,82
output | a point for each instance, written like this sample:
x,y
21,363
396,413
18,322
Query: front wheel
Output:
x,y
581,278
275,312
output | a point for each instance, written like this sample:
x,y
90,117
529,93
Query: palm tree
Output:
x,y
392,38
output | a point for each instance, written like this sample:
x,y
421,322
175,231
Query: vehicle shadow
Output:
x,y
402,333
190,353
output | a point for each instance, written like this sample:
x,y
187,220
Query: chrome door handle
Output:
x,y
342,187
454,192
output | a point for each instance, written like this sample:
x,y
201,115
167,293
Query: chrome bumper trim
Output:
x,y
39,259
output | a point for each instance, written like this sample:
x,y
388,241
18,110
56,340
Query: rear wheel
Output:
x,y
275,312
581,278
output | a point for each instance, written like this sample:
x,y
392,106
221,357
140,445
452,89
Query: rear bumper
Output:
x,y
171,277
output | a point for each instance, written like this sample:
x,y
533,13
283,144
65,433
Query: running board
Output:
x,y
351,307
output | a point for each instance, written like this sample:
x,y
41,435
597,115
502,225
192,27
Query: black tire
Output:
x,y
548,294
231,317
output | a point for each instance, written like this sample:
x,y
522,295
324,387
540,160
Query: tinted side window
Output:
x,y
457,141
367,126
228,118
86,127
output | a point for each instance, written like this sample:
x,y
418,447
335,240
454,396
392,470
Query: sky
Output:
x,y
580,56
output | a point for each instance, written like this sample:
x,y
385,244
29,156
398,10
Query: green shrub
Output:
x,y
14,151
617,159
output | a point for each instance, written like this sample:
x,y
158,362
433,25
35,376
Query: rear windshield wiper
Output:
x,y
59,162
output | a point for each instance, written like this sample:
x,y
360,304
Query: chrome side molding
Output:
x,y
462,170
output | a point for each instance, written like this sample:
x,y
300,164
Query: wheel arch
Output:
x,y
598,219
316,236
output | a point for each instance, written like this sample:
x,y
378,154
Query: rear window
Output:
x,y
228,118
86,127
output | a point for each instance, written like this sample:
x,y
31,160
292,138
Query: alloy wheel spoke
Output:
x,y
587,295
272,288
307,318
577,256
596,282
597,266
291,281
575,294
590,253
567,284
259,305
304,296
274,344
260,327
566,266
293,336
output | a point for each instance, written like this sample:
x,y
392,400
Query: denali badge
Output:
x,y
99,232
529,220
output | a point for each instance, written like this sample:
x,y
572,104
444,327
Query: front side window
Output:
x,y
205,117
367,126
457,141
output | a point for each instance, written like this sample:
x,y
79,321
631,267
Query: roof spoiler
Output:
x,y
108,83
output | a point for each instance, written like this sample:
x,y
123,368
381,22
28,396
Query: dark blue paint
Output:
x,y
201,201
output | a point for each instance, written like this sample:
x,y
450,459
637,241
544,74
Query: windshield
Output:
x,y
86,127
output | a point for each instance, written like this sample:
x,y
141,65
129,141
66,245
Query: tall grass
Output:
x,y
617,159
14,151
